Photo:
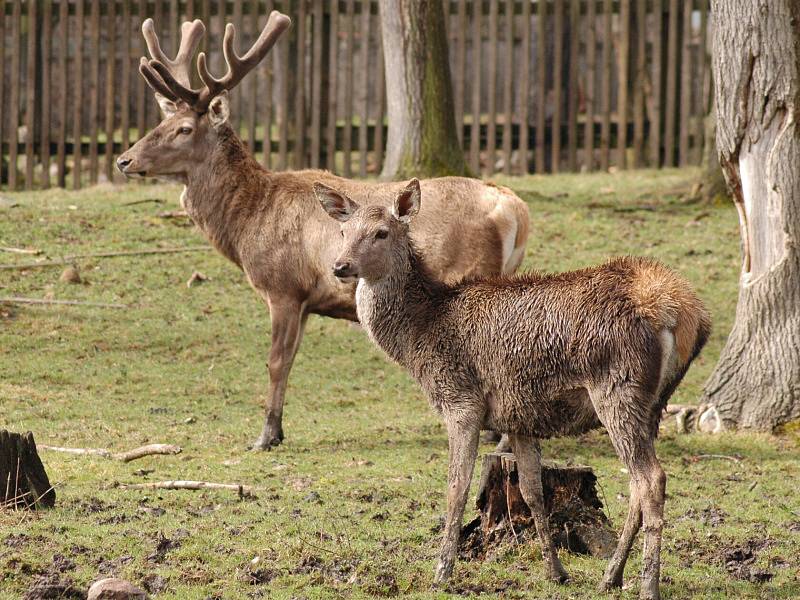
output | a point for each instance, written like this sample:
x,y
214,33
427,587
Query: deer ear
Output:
x,y
167,106
406,205
337,205
219,110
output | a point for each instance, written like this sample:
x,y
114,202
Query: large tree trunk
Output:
x,y
756,68
422,140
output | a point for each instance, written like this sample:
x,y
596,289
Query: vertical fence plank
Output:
x,y
704,79
685,118
475,82
365,96
205,16
333,92
525,83
591,66
77,119
572,82
381,106
63,47
30,96
173,25
508,88
47,45
558,69
671,88
141,90
111,69
94,92
300,89
622,90
655,96
541,91
605,91
252,88
283,108
461,68
639,83
316,83
491,89
125,85
14,82
238,91
266,104
2,77
348,90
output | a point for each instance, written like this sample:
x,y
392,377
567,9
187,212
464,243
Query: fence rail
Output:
x,y
539,85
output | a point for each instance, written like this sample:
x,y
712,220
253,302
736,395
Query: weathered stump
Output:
x,y
576,519
23,480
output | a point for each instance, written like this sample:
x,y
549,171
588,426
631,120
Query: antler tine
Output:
x,y
239,66
180,67
155,81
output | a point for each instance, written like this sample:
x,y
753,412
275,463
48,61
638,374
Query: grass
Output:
x,y
349,505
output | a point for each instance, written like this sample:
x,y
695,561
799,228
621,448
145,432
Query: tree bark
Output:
x,y
756,383
422,140
23,480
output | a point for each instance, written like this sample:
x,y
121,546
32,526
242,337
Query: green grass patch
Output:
x,y
349,505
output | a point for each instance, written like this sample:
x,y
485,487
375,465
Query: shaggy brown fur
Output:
x,y
270,224
533,356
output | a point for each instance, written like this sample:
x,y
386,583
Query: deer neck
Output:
x,y
397,310
221,192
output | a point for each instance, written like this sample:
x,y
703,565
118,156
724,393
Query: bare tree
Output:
x,y
756,383
422,140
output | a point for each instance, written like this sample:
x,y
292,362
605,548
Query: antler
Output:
x,y
166,78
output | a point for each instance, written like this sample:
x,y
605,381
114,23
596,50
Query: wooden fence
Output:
x,y
540,85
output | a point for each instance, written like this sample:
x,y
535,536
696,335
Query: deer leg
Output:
x,y
632,435
616,566
288,322
529,457
463,434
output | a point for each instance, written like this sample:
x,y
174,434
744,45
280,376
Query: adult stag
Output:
x,y
269,224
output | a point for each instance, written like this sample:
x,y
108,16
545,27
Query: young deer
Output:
x,y
532,356
269,224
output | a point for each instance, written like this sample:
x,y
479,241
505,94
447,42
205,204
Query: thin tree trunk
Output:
x,y
422,139
757,73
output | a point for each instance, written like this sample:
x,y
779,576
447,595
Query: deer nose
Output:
x,y
122,163
341,269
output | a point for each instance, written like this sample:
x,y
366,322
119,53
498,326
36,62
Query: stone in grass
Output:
x,y
70,275
112,588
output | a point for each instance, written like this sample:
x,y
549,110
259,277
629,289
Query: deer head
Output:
x,y
193,119
374,237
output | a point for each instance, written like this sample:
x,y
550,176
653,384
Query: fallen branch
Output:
x,y
21,250
716,457
17,300
145,201
188,485
173,214
72,258
128,456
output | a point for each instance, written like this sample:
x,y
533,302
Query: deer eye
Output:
x,y
185,130
382,234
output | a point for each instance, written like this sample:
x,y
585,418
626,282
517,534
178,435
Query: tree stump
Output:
x,y
23,480
576,519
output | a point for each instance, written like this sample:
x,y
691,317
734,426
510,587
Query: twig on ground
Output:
x,y
144,201
148,450
72,258
717,457
21,250
173,214
18,300
188,485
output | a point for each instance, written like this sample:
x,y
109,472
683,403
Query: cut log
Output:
x,y
23,480
577,521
